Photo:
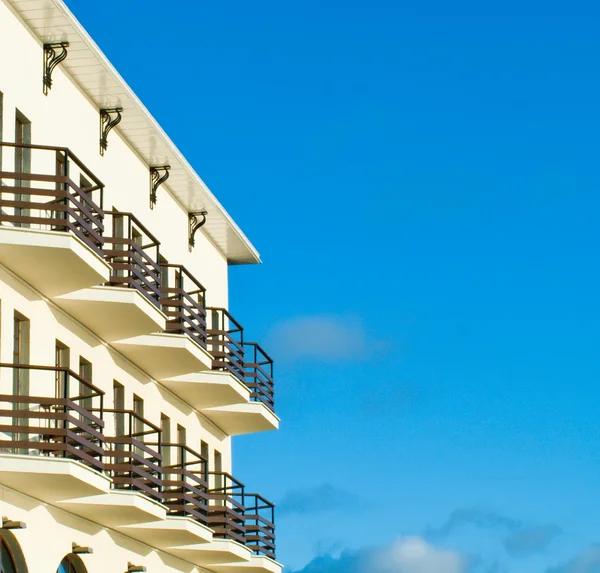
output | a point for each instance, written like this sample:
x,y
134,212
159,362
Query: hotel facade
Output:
x,y
123,376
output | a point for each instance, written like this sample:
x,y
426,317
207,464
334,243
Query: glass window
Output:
x,y
7,565
66,566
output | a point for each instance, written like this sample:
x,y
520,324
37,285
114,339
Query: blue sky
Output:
x,y
421,180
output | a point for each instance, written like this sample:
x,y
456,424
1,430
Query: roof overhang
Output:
x,y
52,21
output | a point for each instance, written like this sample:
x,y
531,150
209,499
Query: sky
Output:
x,y
421,180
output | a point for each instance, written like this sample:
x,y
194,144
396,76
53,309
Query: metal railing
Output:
x,y
133,454
185,485
40,193
52,412
259,515
225,340
258,374
226,507
183,301
133,253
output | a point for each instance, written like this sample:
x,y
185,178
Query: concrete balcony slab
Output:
x,y
257,564
208,389
164,355
50,478
239,419
217,551
173,531
53,262
113,313
116,508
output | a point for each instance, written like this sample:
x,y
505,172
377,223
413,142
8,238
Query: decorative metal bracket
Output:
x,y
156,180
109,118
53,57
194,225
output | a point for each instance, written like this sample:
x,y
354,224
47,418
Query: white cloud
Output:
x,y
405,555
415,555
588,561
322,337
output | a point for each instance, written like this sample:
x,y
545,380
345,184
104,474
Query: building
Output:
x,y
123,376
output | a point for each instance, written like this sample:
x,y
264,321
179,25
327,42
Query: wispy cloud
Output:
x,y
323,337
475,517
520,539
405,555
531,539
316,500
588,561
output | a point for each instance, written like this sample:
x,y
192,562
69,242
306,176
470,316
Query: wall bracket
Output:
x,y
109,118
54,54
156,180
194,225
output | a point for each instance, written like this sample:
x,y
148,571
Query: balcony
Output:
x,y
133,463
128,304
259,515
185,485
51,433
258,375
250,365
226,507
134,458
183,301
225,338
45,216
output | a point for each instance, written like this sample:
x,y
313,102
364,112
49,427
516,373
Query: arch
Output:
x,y
72,564
12,559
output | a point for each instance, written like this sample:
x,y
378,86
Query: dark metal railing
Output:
x,y
258,374
225,340
185,485
226,507
183,301
259,515
60,422
133,253
133,454
41,194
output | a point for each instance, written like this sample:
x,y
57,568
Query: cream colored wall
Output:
x,y
67,118
51,532
49,323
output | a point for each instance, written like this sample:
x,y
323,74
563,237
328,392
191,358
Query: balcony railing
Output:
x,y
41,193
226,507
259,517
185,485
258,374
133,454
225,337
52,412
183,301
133,253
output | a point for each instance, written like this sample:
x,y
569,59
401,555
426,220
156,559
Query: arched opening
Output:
x,y
7,563
11,556
71,564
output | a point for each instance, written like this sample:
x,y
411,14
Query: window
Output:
x,y
218,467
22,162
7,564
21,354
138,408
62,360
71,564
204,453
85,372
181,439
119,401
165,427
